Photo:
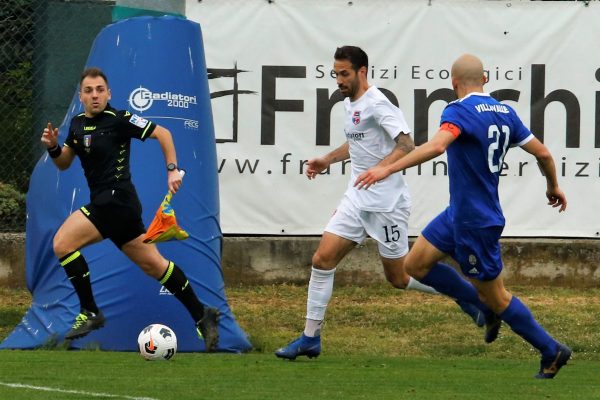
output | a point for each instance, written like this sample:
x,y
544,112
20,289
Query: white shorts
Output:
x,y
389,229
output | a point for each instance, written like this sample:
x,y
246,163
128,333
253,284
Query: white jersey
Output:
x,y
372,123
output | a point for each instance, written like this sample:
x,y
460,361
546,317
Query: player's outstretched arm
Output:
x,y
165,139
316,165
61,156
556,197
425,152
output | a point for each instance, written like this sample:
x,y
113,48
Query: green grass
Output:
x,y
378,343
378,320
260,376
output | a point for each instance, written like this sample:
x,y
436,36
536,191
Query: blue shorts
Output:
x,y
477,250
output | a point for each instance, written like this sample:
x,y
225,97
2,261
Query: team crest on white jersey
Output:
x,y
138,121
356,118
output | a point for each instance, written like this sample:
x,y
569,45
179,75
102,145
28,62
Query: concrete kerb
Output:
x,y
268,260
527,261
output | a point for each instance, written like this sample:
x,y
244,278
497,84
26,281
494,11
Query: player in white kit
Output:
x,y
376,134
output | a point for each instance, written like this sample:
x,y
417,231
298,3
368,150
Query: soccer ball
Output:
x,y
157,342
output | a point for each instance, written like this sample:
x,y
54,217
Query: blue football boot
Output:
x,y
303,346
550,366
472,311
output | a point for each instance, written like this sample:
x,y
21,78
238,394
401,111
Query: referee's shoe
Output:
x,y
85,322
207,328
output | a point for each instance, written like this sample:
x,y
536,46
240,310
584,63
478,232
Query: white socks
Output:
x,y
313,327
414,284
320,288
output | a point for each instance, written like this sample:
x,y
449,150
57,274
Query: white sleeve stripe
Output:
x,y
526,140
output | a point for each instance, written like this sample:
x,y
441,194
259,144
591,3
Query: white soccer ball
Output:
x,y
157,342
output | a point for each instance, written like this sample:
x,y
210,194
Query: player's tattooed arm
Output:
x,y
404,145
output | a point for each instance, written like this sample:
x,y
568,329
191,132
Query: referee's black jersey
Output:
x,y
103,145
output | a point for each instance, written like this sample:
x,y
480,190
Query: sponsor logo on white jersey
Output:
x,y
354,135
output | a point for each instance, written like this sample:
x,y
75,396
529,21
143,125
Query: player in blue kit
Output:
x,y
475,132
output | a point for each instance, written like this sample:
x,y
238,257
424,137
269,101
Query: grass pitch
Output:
x,y
378,343
85,374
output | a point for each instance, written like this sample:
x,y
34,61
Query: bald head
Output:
x,y
467,75
468,69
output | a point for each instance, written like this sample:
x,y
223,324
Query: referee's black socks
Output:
x,y
177,283
79,274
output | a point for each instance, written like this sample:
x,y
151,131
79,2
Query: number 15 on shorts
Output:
x,y
392,233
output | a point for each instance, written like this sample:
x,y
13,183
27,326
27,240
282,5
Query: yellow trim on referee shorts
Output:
x,y
71,258
85,211
168,273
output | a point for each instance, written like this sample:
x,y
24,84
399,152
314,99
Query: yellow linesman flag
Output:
x,y
164,225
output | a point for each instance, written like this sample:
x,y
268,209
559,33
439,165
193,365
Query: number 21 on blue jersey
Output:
x,y
497,148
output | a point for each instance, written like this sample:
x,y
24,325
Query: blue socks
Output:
x,y
446,280
521,321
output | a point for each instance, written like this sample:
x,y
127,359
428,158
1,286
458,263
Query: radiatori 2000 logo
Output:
x,y
141,99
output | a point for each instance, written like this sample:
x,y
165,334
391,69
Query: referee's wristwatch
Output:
x,y
171,167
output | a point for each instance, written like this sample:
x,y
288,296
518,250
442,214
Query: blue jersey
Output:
x,y
487,129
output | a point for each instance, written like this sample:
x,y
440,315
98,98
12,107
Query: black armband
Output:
x,y
55,151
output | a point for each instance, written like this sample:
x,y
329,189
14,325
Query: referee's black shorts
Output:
x,y
117,214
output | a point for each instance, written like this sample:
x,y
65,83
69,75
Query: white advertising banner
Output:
x,y
271,88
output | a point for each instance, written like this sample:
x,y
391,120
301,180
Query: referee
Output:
x,y
101,137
